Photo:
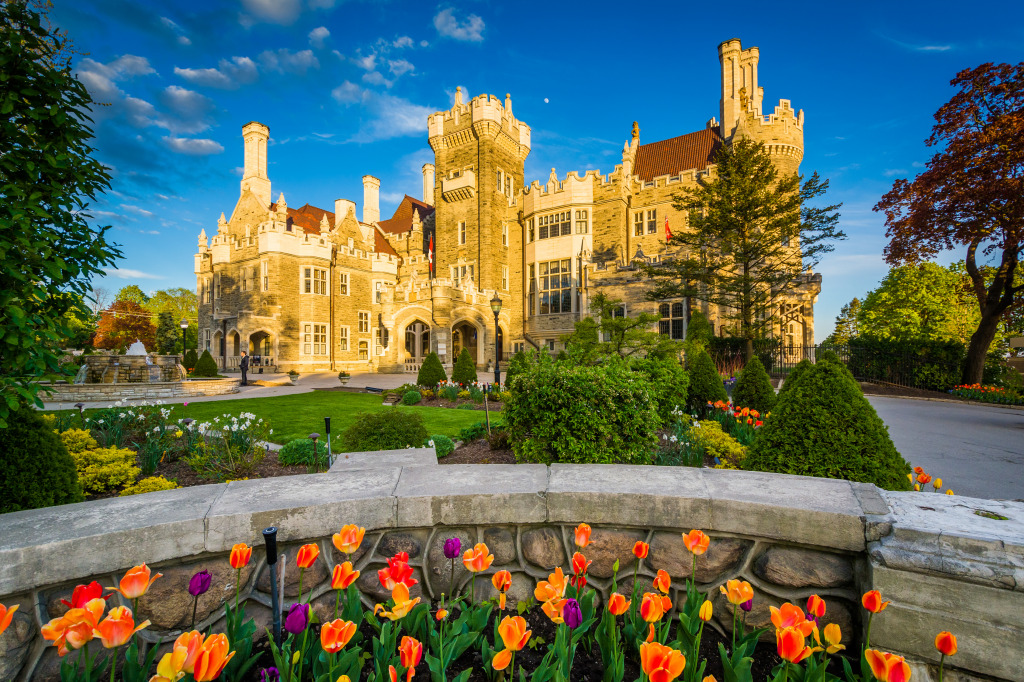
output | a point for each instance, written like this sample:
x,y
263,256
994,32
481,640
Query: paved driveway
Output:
x,y
976,450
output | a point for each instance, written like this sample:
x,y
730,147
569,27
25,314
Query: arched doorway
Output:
x,y
464,335
417,341
236,343
261,349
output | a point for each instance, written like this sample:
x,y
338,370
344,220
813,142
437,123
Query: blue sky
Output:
x,y
346,87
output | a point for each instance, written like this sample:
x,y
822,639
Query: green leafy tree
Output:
x,y
168,337
752,236
754,388
610,332
846,324
181,303
132,293
206,367
464,371
47,179
81,328
431,372
705,383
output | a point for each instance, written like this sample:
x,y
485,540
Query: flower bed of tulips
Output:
x,y
463,637
988,394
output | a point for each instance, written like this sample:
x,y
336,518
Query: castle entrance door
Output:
x,y
417,340
464,336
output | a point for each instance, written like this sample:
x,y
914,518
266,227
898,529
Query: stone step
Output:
x,y
392,399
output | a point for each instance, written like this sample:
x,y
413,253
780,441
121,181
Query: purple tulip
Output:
x,y
571,614
200,583
270,675
747,605
452,548
297,618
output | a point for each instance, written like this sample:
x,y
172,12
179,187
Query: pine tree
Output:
x,y
846,324
464,371
794,375
705,384
167,334
754,388
431,372
191,359
206,367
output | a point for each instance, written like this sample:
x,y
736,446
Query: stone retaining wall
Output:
x,y
942,565
73,393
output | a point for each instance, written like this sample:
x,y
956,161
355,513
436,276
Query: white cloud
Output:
x,y
424,43
448,25
348,92
318,35
128,273
368,63
273,11
149,231
227,76
889,172
400,66
137,211
395,117
402,41
374,78
176,29
193,146
284,60
100,78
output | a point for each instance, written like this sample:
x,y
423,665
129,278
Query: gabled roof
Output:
x,y
307,217
401,221
381,245
670,157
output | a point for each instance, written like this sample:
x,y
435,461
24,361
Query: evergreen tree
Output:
x,y
705,384
626,336
754,388
167,334
794,375
751,236
464,371
698,331
431,372
846,324
206,366
191,359
38,471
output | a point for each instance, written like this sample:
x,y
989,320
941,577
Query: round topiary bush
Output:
x,y
431,372
705,384
443,445
794,375
464,371
754,388
206,366
411,397
37,469
190,359
668,380
387,429
298,451
825,427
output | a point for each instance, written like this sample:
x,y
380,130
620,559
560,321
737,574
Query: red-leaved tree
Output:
x,y
121,324
971,194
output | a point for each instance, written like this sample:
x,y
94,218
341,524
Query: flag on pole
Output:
x,y
668,232
430,255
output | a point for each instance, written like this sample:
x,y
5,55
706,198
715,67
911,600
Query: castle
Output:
x,y
308,289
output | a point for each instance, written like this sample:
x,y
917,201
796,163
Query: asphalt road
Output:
x,y
977,450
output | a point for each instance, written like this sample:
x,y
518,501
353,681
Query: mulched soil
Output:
x,y
478,452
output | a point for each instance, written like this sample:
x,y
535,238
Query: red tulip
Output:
x,y
945,642
872,601
640,549
307,555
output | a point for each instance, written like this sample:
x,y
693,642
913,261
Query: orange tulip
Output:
x,y
872,601
790,644
945,642
501,659
552,588
737,591
705,611
240,555
924,478
663,581
618,604
307,555
403,604
652,608
336,634
170,667
118,627
651,632
349,539
477,559
212,657
343,576
6,615
815,606
582,535
513,632
553,610
580,564
696,541
918,470
887,667
709,678
135,582
410,651
75,628
189,643
441,614
661,663
502,581
791,616
640,549
833,637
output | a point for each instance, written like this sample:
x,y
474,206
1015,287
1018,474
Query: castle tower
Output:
x,y
477,145
254,173
371,199
428,183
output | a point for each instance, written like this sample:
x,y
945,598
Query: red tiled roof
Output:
x,y
401,221
669,157
381,244
307,217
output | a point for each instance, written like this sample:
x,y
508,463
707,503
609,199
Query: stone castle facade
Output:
x,y
308,289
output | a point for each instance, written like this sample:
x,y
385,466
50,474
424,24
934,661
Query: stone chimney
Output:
x,y
428,183
254,170
371,199
342,207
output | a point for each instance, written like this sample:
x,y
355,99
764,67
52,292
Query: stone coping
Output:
x,y
64,543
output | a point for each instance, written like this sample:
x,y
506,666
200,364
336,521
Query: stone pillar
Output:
x,y
371,199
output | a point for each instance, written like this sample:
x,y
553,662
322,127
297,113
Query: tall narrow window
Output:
x,y
582,225
504,278
364,322
638,224
378,291
265,274
462,232
529,230
378,343
245,278
364,350
216,285
566,219
344,283
652,221
508,186
671,323
343,338
504,234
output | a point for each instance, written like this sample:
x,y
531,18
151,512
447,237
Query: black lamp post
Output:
x,y
496,307
184,325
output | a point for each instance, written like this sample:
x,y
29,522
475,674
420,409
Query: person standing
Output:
x,y
243,365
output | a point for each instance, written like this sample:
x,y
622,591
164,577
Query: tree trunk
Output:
x,y
982,338
748,351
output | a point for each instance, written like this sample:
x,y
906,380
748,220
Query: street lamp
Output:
x,y
496,307
184,326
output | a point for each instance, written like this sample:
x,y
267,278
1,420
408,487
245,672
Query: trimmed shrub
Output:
x,y
103,469
705,384
794,375
37,469
927,364
825,427
517,365
464,371
149,485
754,388
669,382
206,366
717,443
190,360
411,397
698,333
388,429
77,440
443,445
431,371
565,413
298,451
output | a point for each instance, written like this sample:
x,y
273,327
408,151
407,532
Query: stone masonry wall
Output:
x,y
67,393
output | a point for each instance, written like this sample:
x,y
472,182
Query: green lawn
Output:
x,y
297,416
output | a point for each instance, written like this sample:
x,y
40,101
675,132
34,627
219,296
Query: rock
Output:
x,y
312,576
644,584
543,547
439,568
521,590
502,543
793,567
670,554
15,644
168,603
607,546
393,543
369,584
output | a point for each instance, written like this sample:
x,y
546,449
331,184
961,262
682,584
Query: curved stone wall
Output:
x,y
134,391
789,536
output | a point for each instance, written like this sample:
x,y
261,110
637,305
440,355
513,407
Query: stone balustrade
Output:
x,y
946,563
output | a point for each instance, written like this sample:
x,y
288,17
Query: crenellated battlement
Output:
x,y
454,126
